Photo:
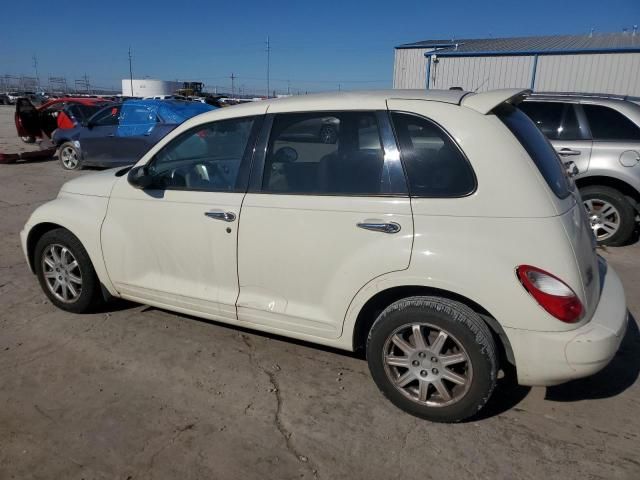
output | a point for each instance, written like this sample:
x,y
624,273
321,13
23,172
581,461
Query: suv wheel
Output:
x,y
611,216
433,358
65,272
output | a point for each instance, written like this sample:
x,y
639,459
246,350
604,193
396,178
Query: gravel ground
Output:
x,y
136,392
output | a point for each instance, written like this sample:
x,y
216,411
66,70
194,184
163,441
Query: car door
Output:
x,y
137,125
97,139
616,140
563,124
174,244
321,220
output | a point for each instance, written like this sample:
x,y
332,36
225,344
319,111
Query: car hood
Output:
x,y
97,184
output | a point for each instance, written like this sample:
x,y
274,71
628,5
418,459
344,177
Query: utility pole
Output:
x,y
233,85
35,66
268,63
288,87
130,71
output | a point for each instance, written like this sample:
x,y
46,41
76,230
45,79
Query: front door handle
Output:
x,y
224,216
384,227
567,152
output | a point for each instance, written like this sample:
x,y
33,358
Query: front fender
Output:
x,y
82,215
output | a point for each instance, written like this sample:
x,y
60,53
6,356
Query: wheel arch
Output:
x,y
372,308
613,182
82,216
35,234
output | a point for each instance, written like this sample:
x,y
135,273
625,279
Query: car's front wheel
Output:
x,y
611,216
28,139
433,358
69,156
65,272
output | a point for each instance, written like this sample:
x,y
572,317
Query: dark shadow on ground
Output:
x,y
615,378
115,305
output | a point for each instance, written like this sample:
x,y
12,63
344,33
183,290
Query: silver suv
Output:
x,y
598,139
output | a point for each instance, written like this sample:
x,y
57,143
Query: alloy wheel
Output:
x,y
427,364
62,273
604,218
69,158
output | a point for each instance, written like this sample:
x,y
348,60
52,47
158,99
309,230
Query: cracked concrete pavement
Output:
x,y
139,393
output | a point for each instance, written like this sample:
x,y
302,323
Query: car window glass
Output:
x,y
137,114
324,154
538,148
107,117
607,124
558,121
435,166
207,157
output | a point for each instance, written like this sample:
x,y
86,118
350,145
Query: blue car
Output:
x,y
121,134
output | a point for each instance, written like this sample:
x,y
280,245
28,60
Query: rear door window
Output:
x,y
558,121
326,153
538,148
434,164
607,124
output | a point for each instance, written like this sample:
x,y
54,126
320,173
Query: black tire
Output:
x,y
66,162
625,210
28,139
90,293
465,328
328,134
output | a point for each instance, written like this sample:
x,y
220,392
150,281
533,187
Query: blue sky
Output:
x,y
316,45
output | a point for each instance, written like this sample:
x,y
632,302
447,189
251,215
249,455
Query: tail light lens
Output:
x,y
555,296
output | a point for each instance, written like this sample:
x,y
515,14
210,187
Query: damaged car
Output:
x,y
40,122
121,134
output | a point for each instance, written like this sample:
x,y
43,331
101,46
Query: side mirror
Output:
x,y
139,177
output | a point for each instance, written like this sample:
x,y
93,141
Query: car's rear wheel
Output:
x,y
611,216
433,358
28,139
65,272
69,156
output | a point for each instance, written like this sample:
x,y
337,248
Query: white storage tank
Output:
x,y
148,87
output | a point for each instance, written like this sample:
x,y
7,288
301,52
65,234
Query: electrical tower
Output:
x,y
58,85
268,64
233,85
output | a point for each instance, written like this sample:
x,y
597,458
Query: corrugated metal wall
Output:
x,y
481,73
409,68
598,73
590,73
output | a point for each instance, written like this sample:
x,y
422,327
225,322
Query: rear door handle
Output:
x,y
224,216
111,135
384,227
567,152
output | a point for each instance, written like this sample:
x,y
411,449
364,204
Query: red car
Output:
x,y
67,112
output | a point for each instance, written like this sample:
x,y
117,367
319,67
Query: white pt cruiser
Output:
x,y
436,231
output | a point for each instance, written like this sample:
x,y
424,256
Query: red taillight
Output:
x,y
555,296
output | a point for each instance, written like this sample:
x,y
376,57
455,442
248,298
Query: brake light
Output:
x,y
555,296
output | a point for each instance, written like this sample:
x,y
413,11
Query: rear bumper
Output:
x,y
550,358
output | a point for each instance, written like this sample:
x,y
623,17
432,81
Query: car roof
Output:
x,y
367,99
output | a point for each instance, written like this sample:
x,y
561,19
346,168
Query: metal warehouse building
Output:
x,y
593,63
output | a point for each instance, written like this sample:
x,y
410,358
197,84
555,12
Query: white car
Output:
x,y
439,233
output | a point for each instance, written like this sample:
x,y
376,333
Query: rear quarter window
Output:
x,y
538,148
435,165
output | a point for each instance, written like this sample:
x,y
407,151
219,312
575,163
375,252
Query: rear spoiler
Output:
x,y
487,101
